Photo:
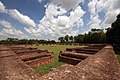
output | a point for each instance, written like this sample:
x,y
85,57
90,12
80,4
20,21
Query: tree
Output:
x,y
93,36
75,39
23,41
71,38
113,33
80,38
96,30
87,37
61,39
66,38
102,37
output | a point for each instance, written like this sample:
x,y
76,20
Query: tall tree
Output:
x,y
61,39
113,33
71,38
66,38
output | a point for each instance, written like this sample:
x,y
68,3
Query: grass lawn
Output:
x,y
49,67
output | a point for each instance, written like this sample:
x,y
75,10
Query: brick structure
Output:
x,y
75,55
101,66
33,56
12,68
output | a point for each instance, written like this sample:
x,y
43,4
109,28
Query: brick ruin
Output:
x,y
13,68
102,63
16,62
33,56
75,55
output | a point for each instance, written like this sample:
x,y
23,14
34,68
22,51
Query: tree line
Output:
x,y
26,41
93,36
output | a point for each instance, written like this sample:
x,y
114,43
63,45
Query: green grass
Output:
x,y
50,66
118,56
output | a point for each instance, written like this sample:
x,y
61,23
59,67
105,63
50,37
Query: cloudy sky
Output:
x,y
50,19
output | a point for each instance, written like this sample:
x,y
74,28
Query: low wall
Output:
x,y
101,66
39,62
76,55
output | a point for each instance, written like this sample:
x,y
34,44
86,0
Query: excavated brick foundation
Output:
x,y
32,56
13,68
101,65
75,55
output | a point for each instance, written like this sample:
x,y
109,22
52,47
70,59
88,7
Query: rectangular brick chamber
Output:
x,y
33,56
75,55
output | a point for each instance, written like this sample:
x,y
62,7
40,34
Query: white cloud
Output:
x,y
95,20
6,24
110,16
91,6
40,1
2,7
55,23
96,6
62,21
25,20
47,21
54,10
67,4
113,4
76,15
95,23
110,8
12,32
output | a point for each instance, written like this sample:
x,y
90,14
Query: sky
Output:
x,y
50,19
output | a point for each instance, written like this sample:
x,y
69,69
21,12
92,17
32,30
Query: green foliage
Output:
x,y
79,38
66,38
94,36
118,55
71,38
113,33
26,41
61,39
